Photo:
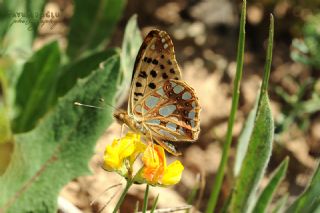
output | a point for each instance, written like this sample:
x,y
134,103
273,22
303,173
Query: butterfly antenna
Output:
x,y
92,106
102,101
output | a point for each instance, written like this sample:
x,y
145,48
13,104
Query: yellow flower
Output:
x,y
121,150
156,171
122,153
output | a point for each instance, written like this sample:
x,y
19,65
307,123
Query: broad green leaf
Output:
x,y
130,48
266,195
35,88
59,148
244,138
256,159
80,69
92,25
260,145
309,200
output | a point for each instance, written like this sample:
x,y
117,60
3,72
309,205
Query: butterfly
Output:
x,y
161,106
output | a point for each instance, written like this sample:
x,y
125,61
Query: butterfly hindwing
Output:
x,y
171,111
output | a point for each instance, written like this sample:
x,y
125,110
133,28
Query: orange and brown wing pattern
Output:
x,y
171,112
155,63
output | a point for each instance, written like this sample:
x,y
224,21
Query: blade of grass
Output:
x,y
155,203
145,200
235,100
266,195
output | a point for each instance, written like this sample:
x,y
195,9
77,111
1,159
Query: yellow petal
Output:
x,y
117,152
126,147
172,173
139,147
111,156
154,156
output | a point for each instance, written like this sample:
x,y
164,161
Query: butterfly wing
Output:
x,y
155,63
171,112
165,105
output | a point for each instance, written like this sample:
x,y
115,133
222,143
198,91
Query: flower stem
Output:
x,y
123,195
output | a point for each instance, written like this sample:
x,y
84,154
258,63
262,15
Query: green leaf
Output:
x,y
35,88
256,159
260,145
92,24
130,47
80,69
309,200
59,148
244,138
266,195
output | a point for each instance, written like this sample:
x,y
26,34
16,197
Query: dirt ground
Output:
x,y
204,34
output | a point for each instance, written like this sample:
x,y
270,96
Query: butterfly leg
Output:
x,y
122,127
150,141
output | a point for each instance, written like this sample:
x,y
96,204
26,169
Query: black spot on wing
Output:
x,y
138,84
155,61
164,75
138,94
152,85
153,73
143,74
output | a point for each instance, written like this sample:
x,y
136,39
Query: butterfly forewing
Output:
x,y
155,63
